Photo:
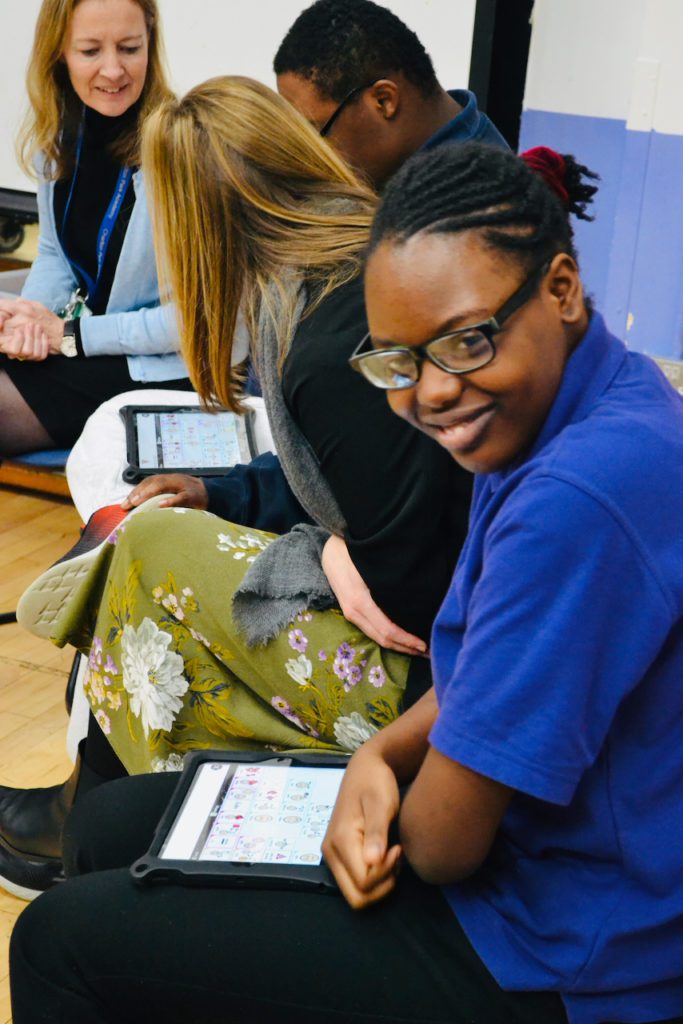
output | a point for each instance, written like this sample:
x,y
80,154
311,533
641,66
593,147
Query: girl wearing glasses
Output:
x,y
253,211
543,877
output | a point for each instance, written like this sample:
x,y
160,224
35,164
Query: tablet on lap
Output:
x,y
246,819
184,439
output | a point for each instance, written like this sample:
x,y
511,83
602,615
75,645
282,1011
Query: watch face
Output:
x,y
68,346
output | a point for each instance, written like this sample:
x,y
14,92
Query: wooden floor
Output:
x,y
34,533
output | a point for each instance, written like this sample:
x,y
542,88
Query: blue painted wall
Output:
x,y
632,254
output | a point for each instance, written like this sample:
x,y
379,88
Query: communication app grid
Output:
x,y
168,440
273,815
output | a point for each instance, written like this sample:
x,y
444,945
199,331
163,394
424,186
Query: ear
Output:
x,y
385,98
565,288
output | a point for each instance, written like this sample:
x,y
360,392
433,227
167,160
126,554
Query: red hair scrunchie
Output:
x,y
551,167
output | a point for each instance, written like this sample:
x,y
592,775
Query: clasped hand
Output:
x,y
29,330
356,846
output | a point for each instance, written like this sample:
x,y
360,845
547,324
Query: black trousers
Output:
x,y
100,950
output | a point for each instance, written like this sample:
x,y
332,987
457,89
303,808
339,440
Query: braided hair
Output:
x,y
521,205
342,44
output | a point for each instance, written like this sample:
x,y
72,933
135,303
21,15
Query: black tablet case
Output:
x,y
134,472
152,869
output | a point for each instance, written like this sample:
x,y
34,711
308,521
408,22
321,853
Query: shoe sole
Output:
x,y
38,873
19,891
40,607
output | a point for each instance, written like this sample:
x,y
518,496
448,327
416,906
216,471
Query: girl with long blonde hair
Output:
x,y
269,203
205,631
89,323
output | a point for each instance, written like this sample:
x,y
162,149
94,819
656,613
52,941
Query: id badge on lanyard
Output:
x,y
77,305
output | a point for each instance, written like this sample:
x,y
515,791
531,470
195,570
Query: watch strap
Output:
x,y
72,329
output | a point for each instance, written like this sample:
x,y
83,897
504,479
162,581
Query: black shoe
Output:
x,y
71,682
31,820
31,824
25,875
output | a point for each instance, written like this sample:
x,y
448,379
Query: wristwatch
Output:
x,y
68,346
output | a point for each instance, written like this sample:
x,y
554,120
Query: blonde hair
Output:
x,y
246,200
51,123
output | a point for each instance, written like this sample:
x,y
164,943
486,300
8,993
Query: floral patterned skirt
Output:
x,y
168,672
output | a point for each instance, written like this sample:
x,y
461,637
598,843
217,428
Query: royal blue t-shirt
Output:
x,y
558,663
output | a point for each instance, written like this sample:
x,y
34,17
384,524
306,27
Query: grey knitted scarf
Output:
x,y
288,578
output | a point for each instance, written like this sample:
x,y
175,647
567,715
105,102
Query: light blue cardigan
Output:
x,y
135,325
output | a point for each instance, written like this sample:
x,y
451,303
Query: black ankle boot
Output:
x,y
31,823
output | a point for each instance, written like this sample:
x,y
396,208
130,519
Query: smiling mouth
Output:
x,y
111,92
465,432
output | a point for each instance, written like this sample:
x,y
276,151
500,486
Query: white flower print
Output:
x,y
173,763
299,669
199,637
152,675
351,731
249,545
170,602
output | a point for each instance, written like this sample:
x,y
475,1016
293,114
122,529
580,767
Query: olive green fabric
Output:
x,y
168,671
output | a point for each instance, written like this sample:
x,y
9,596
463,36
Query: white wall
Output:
x,y
581,56
212,37
660,44
16,36
609,58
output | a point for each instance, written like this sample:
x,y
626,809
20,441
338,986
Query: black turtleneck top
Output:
x,y
96,177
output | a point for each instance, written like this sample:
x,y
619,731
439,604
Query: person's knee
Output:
x,y
114,824
141,531
136,530
37,935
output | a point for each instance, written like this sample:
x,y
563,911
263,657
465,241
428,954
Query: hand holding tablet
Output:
x,y
246,819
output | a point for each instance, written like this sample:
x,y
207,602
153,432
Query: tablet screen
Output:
x,y
180,438
254,813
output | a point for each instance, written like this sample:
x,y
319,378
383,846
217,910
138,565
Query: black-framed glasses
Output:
x,y
461,351
325,130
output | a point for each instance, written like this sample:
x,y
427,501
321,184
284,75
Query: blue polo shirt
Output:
x,y
558,664
470,125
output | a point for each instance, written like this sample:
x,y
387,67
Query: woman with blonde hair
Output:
x,y
89,323
202,633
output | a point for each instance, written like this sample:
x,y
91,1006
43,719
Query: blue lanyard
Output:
x,y
108,222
